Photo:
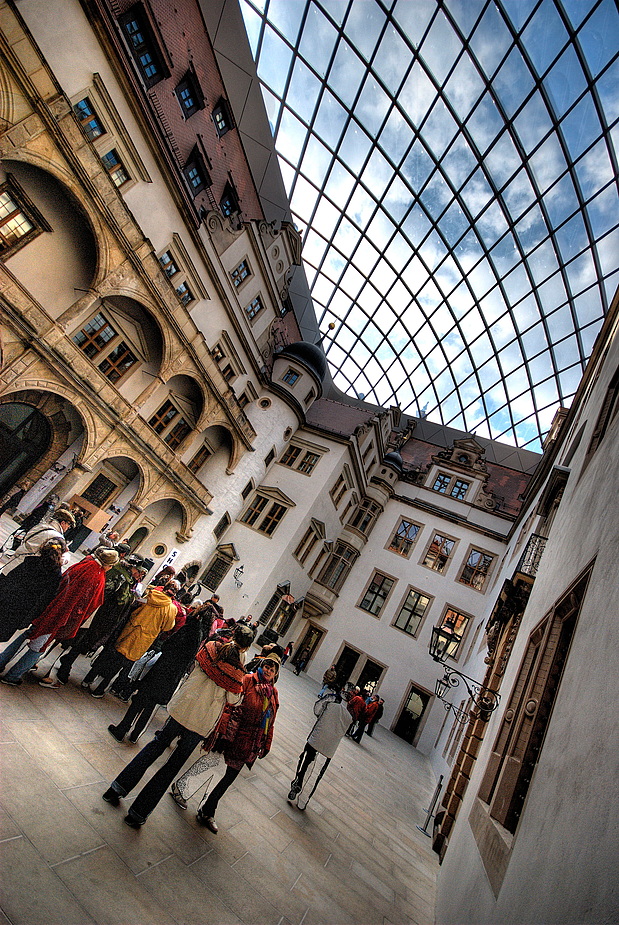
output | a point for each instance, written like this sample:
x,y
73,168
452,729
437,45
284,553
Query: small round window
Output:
x,y
265,403
159,549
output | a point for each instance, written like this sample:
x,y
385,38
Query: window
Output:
x,y
229,202
438,552
178,267
195,172
339,490
376,594
296,457
118,362
216,571
609,409
197,461
222,117
168,263
94,336
89,120
459,489
143,46
181,429
247,491
458,623
264,514
240,273
184,293
254,307
290,376
268,459
447,484
441,483
189,95
404,537
162,418
99,336
222,525
113,164
364,518
313,535
412,612
20,221
100,490
476,568
338,566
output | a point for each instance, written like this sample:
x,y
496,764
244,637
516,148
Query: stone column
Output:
x,y
66,486
124,523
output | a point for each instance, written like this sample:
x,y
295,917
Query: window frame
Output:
x,y
338,566
225,122
196,163
265,511
449,557
378,594
24,206
241,273
475,571
199,458
412,610
190,83
104,352
253,309
390,544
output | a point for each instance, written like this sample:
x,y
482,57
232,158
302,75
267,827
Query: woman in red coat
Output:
x,y
245,732
80,592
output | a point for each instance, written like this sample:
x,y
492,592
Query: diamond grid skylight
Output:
x,y
453,168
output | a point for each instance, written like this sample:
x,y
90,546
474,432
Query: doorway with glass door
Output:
x,y
412,712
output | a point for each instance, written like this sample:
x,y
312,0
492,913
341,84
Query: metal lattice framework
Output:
x,y
453,166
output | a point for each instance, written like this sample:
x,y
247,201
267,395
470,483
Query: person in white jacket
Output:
x,y
333,719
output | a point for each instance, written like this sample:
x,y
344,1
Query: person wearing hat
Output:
x,y
245,732
157,615
119,596
194,711
80,592
157,686
37,536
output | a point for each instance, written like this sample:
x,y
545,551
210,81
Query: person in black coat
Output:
x,y
156,688
27,589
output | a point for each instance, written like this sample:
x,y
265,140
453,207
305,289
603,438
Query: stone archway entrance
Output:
x,y
25,436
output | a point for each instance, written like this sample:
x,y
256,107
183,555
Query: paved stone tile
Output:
x,y
110,892
236,892
180,893
32,893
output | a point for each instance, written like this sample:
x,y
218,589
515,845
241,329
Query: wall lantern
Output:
x,y
443,644
237,576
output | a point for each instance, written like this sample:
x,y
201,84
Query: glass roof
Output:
x,y
453,167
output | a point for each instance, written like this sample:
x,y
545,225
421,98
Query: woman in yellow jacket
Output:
x,y
156,616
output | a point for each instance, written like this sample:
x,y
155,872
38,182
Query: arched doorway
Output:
x,y
136,538
25,435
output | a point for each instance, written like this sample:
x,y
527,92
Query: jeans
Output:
x,y
28,659
138,715
305,759
149,795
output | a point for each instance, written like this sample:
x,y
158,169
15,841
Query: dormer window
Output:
x,y
449,485
143,46
195,172
229,202
189,95
222,117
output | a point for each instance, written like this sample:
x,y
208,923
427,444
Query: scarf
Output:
x,y
265,689
221,663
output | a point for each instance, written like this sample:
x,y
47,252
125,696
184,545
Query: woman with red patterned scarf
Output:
x,y
245,732
195,709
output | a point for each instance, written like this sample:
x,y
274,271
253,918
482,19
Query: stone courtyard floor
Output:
x,y
66,858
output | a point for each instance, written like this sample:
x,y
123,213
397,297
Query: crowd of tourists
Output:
x,y
158,644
